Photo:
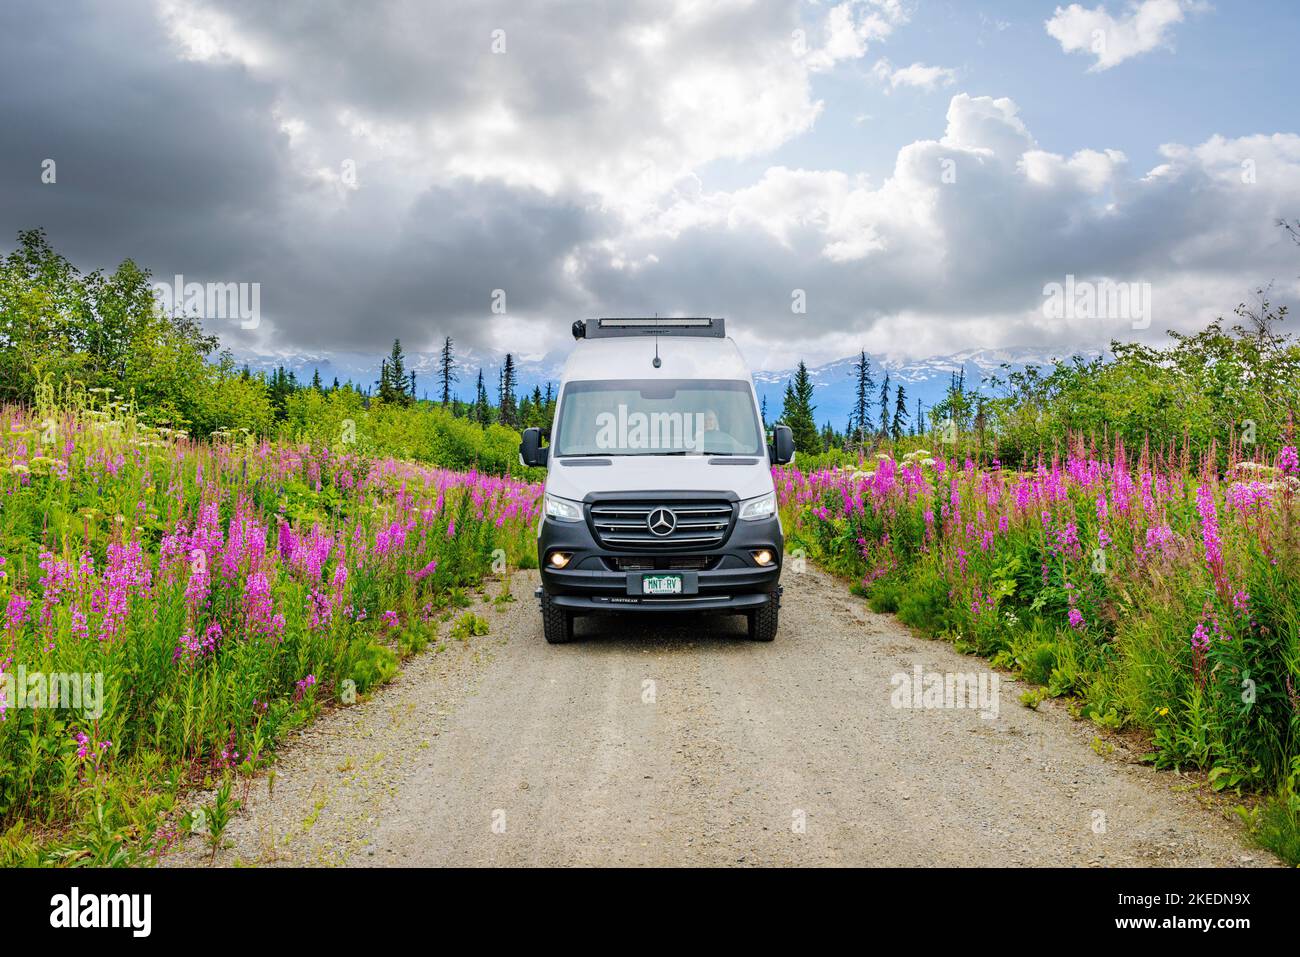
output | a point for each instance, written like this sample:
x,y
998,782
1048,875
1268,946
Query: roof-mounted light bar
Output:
x,y
682,326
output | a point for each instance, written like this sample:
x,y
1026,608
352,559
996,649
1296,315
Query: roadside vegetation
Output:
x,y
104,331
207,596
1124,535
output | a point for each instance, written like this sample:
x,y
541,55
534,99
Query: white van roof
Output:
x,y
632,357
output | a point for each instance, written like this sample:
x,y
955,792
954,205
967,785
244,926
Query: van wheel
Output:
x,y
763,621
557,624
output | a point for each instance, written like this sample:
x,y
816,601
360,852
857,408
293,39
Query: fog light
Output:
x,y
764,556
559,559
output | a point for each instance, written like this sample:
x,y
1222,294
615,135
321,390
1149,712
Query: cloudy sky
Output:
x,y
915,171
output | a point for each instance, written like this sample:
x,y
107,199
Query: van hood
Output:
x,y
576,478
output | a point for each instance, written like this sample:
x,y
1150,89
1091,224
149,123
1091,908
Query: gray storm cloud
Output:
x,y
381,171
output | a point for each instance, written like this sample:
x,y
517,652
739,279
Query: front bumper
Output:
x,y
730,582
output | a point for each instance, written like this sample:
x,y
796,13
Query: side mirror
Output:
x,y
782,450
531,452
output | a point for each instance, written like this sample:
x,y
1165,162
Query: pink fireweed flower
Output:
x,y
1076,618
16,611
303,686
425,572
128,575
88,750
1160,537
1067,540
80,627
1202,635
389,619
1288,462
229,753
57,578
260,617
320,608
1247,497
311,552
391,539
1210,531
192,649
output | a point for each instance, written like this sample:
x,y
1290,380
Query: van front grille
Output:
x,y
661,525
661,563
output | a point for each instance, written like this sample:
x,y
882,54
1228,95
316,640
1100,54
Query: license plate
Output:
x,y
662,584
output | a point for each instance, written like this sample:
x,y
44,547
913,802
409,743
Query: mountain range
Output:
x,y
925,379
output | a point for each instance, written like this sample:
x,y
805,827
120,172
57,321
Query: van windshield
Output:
x,y
657,417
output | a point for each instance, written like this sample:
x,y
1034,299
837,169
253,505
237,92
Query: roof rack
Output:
x,y
614,328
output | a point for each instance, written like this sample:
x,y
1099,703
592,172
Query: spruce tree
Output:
x,y
507,413
864,386
447,369
395,385
482,409
898,427
536,409
884,407
797,412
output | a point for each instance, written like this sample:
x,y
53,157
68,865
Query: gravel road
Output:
x,y
677,741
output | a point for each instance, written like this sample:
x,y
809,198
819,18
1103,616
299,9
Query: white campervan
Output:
x,y
659,493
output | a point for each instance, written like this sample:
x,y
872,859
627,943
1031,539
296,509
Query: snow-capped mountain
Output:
x,y
924,379
362,369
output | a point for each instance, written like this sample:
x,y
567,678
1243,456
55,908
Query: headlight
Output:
x,y
762,507
562,510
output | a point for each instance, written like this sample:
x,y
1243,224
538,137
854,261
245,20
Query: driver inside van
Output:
x,y
712,438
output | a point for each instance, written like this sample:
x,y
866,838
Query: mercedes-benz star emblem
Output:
x,y
661,521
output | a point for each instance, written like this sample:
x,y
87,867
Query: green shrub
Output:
x,y
469,625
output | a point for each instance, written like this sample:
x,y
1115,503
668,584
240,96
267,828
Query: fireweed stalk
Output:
x,y
222,589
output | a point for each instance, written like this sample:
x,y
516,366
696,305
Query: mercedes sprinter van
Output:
x,y
659,493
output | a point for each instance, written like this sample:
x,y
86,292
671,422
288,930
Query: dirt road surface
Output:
x,y
676,741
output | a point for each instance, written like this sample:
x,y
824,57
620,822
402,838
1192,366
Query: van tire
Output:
x,y
764,620
557,623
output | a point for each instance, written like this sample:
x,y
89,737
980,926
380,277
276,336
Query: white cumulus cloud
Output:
x,y
917,75
1143,27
